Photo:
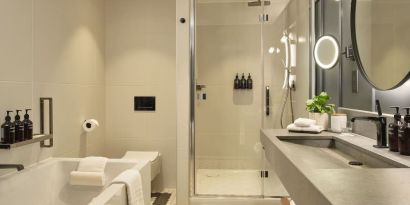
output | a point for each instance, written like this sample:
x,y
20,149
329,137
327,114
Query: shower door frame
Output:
x,y
192,94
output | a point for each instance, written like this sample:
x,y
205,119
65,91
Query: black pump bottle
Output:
x,y
404,136
394,130
243,81
249,82
19,127
236,82
28,126
7,130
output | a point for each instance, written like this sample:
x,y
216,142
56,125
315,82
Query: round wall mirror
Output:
x,y
326,52
380,35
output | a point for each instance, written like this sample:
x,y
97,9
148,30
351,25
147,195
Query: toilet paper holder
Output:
x,y
90,125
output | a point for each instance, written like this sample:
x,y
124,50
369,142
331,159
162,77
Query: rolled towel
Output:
x,y
310,129
304,122
92,164
90,172
133,181
87,178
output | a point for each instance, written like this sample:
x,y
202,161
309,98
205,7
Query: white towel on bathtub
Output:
x,y
87,178
90,172
133,181
92,164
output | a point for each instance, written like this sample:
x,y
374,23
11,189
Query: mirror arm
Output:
x,y
349,53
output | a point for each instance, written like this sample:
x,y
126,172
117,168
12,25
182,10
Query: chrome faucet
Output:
x,y
381,125
19,167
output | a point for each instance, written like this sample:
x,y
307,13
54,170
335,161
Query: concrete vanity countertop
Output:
x,y
338,186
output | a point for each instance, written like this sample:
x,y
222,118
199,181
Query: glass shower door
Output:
x,y
228,153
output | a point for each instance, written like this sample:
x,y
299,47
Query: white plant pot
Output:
x,y
321,119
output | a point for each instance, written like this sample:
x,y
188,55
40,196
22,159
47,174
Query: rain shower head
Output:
x,y
258,3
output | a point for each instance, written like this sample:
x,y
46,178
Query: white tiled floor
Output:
x,y
228,182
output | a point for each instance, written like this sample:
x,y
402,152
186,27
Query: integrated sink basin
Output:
x,y
331,153
334,169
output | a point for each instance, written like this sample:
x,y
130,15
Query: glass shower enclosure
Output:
x,y
233,41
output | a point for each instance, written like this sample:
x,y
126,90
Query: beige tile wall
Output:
x,y
140,61
69,67
294,19
54,49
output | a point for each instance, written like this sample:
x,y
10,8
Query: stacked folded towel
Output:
x,y
305,125
90,172
133,182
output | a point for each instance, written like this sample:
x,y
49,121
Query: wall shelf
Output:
x,y
39,137
36,138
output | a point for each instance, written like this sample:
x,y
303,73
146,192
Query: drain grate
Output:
x,y
355,163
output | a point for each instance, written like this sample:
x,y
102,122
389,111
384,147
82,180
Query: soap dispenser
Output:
x,y
404,135
7,130
394,130
18,127
249,82
28,126
236,82
243,81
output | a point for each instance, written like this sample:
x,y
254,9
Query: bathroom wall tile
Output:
x,y
72,105
15,95
140,43
16,51
224,51
124,122
140,61
69,67
68,41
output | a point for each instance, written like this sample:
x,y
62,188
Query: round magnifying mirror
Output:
x,y
326,52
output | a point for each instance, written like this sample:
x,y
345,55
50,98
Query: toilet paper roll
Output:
x,y
90,125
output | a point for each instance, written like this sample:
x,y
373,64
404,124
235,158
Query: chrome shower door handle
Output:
x,y
267,100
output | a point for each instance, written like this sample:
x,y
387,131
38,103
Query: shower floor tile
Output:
x,y
228,182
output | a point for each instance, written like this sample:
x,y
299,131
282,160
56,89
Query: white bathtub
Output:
x,y
47,183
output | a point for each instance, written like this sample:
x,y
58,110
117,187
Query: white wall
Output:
x,y
140,61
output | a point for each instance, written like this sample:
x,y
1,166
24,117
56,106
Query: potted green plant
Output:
x,y
319,109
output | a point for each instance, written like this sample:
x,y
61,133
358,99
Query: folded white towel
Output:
x,y
92,164
310,129
87,178
133,181
304,122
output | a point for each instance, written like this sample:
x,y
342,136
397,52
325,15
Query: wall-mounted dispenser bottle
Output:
x,y
18,127
28,126
249,82
243,81
7,130
394,130
404,136
236,82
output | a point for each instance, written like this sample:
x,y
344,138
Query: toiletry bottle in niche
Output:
x,y
18,127
236,82
243,81
249,82
394,130
7,130
28,126
404,134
